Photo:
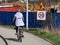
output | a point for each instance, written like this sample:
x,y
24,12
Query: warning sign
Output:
x,y
41,6
41,15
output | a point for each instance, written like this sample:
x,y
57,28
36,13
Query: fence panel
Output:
x,y
6,19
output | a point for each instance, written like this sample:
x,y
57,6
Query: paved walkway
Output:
x,y
29,39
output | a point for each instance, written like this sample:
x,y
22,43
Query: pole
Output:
x,y
27,15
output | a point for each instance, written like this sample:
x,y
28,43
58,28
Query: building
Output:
x,y
8,1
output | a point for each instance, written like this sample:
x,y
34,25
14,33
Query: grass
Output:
x,y
8,26
53,38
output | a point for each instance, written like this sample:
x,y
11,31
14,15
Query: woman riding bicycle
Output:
x,y
19,21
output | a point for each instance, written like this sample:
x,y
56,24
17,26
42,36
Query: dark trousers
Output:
x,y
17,28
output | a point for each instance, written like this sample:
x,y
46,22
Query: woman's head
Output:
x,y
18,10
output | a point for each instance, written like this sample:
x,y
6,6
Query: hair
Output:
x,y
18,10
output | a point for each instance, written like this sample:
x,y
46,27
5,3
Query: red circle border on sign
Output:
x,y
40,15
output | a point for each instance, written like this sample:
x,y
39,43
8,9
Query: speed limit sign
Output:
x,y
41,15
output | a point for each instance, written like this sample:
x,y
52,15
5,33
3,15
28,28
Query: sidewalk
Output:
x,y
29,39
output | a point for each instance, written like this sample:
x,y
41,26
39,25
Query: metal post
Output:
x,y
27,16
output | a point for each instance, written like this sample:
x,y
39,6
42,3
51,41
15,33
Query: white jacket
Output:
x,y
19,19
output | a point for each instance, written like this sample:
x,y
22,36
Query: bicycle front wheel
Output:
x,y
3,41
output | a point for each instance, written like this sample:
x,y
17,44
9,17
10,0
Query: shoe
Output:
x,y
16,33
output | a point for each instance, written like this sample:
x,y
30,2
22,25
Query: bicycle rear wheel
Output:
x,y
19,36
3,41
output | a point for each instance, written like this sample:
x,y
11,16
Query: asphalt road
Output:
x,y
29,39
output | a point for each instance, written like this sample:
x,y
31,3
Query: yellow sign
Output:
x,y
41,6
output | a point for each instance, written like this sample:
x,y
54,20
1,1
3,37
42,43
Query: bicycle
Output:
x,y
3,39
19,34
